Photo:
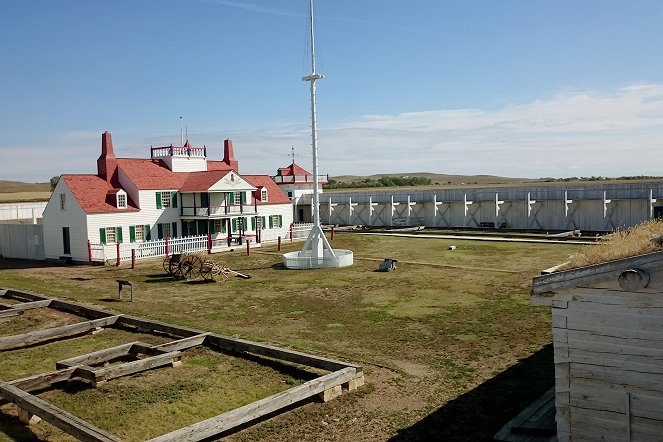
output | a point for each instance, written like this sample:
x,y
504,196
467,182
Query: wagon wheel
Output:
x,y
174,266
191,266
207,271
166,265
223,270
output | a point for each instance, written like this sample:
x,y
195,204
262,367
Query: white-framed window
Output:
x,y
111,235
290,195
275,221
121,201
263,195
63,199
139,233
165,199
218,226
165,229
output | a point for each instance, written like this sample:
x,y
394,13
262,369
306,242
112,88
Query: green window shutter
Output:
x,y
174,230
119,234
263,225
231,198
280,220
158,200
202,227
243,197
132,233
271,222
102,235
173,200
160,231
234,224
245,223
147,232
253,223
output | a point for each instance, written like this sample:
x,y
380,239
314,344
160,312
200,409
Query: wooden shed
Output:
x,y
607,324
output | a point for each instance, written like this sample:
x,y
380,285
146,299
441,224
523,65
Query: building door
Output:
x,y
658,212
66,242
301,216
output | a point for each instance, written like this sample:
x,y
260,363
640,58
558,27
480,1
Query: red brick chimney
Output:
x,y
107,162
229,155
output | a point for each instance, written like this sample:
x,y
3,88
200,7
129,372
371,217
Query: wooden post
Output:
x,y
279,244
248,247
166,247
117,249
209,243
89,251
332,233
133,258
290,232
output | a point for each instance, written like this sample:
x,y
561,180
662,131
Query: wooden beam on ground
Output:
x,y
185,343
3,292
116,371
97,357
55,416
256,410
241,345
43,380
80,310
24,339
24,296
31,305
10,313
147,325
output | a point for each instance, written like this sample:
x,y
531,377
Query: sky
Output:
x,y
517,88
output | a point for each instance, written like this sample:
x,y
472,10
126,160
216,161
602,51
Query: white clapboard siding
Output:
x,y
72,216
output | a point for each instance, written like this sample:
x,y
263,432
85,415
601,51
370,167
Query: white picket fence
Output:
x,y
189,244
148,249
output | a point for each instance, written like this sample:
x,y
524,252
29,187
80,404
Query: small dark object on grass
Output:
x,y
387,265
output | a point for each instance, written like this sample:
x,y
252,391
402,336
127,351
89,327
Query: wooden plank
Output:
x,y
24,296
156,326
15,341
184,343
97,357
80,310
10,313
643,364
116,371
251,412
585,275
241,345
3,292
584,340
626,378
31,305
43,380
55,416
544,402
628,299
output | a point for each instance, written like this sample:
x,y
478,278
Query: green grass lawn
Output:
x,y
428,334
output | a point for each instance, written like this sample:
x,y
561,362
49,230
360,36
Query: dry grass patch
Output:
x,y
637,240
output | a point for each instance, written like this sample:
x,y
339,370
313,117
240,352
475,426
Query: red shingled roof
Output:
x,y
201,181
218,165
292,170
95,195
151,174
274,194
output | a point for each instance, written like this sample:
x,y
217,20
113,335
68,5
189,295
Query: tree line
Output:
x,y
385,181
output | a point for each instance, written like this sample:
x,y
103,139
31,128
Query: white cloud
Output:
x,y
572,133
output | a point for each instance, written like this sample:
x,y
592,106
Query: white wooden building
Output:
x,y
297,183
176,192
608,342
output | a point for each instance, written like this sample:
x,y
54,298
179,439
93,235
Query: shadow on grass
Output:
x,y
17,264
480,413
14,430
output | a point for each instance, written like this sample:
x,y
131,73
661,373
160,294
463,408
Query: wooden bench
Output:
x,y
121,283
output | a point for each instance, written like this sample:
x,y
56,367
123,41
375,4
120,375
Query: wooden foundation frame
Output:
x,y
342,377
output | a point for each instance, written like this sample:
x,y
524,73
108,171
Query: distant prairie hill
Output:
x,y
17,191
439,178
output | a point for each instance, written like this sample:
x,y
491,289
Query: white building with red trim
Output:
x,y
176,192
297,183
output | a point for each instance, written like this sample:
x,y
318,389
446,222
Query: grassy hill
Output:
x,y
439,178
17,191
